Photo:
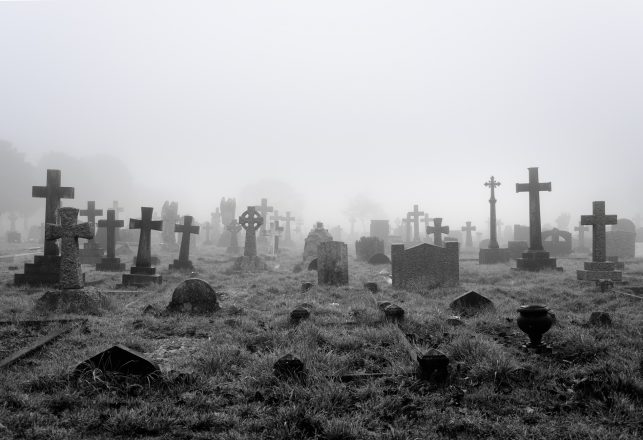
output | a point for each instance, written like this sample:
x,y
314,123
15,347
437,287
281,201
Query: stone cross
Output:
x,y
263,209
53,192
146,225
117,209
534,187
186,229
406,223
234,228
91,213
414,216
581,234
437,230
12,220
287,219
71,275
598,220
207,227
468,229
111,225
493,238
250,221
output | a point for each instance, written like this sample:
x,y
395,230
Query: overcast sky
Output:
x,y
402,101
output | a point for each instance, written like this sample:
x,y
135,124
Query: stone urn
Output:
x,y
535,320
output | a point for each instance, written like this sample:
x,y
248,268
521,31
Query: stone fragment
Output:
x,y
470,303
305,287
394,313
298,314
455,321
119,359
371,287
433,365
194,296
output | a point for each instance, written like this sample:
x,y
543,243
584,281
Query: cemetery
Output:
x,y
346,220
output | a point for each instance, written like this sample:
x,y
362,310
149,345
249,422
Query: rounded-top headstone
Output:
x,y
289,366
313,264
298,314
194,296
394,312
379,259
625,225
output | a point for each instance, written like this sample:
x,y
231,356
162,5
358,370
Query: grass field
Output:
x,y
218,380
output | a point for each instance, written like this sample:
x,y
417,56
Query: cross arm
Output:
x,y
85,230
156,225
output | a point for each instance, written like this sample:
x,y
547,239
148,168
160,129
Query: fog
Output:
x,y
320,106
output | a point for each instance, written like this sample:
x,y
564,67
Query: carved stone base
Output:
x,y
595,271
535,261
110,265
141,276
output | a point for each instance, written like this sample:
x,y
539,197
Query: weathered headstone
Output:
x,y
599,268
366,247
406,224
277,230
536,258
621,240
228,214
425,266
71,276
46,268
381,229
186,230
468,242
379,259
233,230
194,296
251,221
142,273
492,254
332,263
414,216
558,243
170,216
111,225
119,359
264,211
215,224
581,248
316,236
91,253
437,230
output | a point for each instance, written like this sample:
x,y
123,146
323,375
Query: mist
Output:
x,y
318,106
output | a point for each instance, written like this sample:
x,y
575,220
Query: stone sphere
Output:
x,y
194,296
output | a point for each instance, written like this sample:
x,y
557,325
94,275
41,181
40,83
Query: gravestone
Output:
x,y
13,236
468,242
119,359
316,236
581,248
366,247
380,229
68,231
142,273
379,259
264,210
621,240
252,222
287,219
194,296
492,253
332,263
91,253
215,224
558,243
336,232
169,216
536,258
207,227
414,217
276,229
228,209
437,230
233,230
599,268
111,225
186,230
425,266
471,303
46,268
484,244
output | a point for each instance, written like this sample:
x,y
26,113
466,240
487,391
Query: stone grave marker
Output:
x,y
251,221
264,210
336,232
316,236
207,227
233,230
91,253
599,268
470,303
414,216
332,263
380,229
46,268
228,209
169,216
186,230
277,230
215,224
406,224
558,243
366,247
437,230
425,266
536,258
492,253
142,273
581,248
287,219
71,276
111,225
621,240
468,242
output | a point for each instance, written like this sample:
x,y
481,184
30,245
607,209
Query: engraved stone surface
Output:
x,y
425,266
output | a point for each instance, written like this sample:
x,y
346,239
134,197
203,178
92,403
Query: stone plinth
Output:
x,y
493,256
535,261
141,276
44,270
182,265
249,264
599,271
110,265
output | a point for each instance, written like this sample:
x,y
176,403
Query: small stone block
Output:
x,y
394,313
371,287
119,359
433,365
288,367
600,319
133,279
299,314
305,287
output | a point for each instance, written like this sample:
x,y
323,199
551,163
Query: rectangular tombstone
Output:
x,y
332,263
621,244
425,266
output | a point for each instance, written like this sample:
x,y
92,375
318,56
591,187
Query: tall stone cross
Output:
x,y
581,234
250,221
437,230
414,216
186,229
146,225
534,187
598,220
468,242
263,209
53,192
71,275
91,213
493,231
12,220
111,225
